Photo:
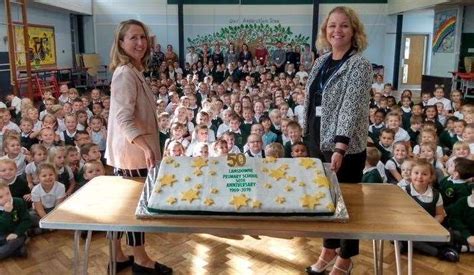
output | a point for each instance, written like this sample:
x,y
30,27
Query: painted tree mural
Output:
x,y
250,34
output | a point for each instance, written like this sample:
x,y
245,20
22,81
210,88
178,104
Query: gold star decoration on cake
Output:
x,y
269,160
277,174
322,181
239,201
288,188
302,184
187,178
158,188
290,179
310,202
307,163
330,207
168,160
214,190
256,204
212,173
208,202
190,195
197,172
199,162
171,200
176,165
268,185
264,169
280,200
167,180
214,162
198,186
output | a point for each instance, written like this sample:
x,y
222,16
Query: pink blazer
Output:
x,y
132,114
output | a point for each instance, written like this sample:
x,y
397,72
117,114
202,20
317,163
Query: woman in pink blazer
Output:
x,y
133,135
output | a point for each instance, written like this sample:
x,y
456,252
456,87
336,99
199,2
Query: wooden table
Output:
x,y
377,212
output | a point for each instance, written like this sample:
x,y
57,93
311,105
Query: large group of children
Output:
x,y
214,107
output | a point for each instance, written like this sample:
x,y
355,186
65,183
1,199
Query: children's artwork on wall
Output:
x,y
42,46
444,31
250,34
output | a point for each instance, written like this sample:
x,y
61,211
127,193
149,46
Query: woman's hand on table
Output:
x,y
336,161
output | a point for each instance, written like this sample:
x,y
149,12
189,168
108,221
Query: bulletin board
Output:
x,y
42,46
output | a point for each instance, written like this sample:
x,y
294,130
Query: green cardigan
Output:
x,y
17,221
461,217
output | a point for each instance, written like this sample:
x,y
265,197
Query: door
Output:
x,y
4,74
413,63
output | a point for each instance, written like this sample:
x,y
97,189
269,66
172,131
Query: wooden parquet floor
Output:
x,y
52,253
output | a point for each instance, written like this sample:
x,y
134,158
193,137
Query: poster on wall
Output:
x,y
444,31
42,46
250,34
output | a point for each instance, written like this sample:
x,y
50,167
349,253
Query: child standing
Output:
x,y
14,222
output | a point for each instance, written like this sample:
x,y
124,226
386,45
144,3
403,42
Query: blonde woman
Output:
x,y
133,144
336,112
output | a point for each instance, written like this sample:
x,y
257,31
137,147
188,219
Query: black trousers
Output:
x,y
350,172
133,238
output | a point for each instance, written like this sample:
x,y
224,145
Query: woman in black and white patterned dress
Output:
x,y
336,115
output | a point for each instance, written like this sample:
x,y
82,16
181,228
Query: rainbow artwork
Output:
x,y
444,31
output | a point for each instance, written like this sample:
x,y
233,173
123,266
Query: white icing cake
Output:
x,y
238,185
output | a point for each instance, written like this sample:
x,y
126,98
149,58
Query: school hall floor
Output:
x,y
52,253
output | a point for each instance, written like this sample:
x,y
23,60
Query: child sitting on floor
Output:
x,y
14,222
371,173
48,194
456,186
422,177
461,219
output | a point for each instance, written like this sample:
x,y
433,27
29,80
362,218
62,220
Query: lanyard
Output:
x,y
326,68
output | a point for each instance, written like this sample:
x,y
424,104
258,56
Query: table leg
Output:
x,y
86,252
77,235
397,257
112,250
410,257
380,261
376,255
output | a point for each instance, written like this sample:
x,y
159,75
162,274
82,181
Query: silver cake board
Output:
x,y
340,214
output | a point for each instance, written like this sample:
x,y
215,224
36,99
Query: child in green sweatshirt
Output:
x,y
14,222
